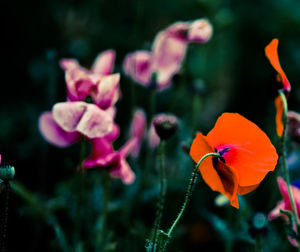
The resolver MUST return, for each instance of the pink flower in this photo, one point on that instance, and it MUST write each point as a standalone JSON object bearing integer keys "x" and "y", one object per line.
{"x": 81, "y": 81}
{"x": 137, "y": 130}
{"x": 153, "y": 138}
{"x": 103, "y": 156}
{"x": 68, "y": 120}
{"x": 138, "y": 66}
{"x": 285, "y": 204}
{"x": 168, "y": 51}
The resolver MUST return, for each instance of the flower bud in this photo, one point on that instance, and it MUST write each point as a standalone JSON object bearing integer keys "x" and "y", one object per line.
{"x": 165, "y": 125}
{"x": 200, "y": 31}
{"x": 294, "y": 126}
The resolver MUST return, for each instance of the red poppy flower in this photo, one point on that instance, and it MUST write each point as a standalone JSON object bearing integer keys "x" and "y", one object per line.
{"x": 246, "y": 156}
{"x": 272, "y": 55}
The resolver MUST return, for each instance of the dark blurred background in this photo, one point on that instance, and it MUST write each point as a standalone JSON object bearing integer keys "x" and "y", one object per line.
{"x": 229, "y": 73}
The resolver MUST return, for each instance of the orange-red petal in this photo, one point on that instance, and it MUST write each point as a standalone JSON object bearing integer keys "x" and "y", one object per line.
{"x": 251, "y": 154}
{"x": 221, "y": 178}
{"x": 279, "y": 115}
{"x": 246, "y": 189}
{"x": 272, "y": 55}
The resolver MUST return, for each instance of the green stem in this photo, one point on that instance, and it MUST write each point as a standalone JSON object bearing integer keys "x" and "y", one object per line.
{"x": 258, "y": 243}
{"x": 152, "y": 104}
{"x": 189, "y": 190}
{"x": 162, "y": 195}
{"x": 5, "y": 215}
{"x": 42, "y": 211}
{"x": 101, "y": 231}
{"x": 284, "y": 161}
{"x": 80, "y": 183}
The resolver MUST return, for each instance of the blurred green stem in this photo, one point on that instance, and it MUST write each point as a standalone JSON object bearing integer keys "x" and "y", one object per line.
{"x": 162, "y": 195}
{"x": 152, "y": 104}
{"x": 258, "y": 243}
{"x": 80, "y": 183}
{"x": 5, "y": 216}
{"x": 42, "y": 211}
{"x": 284, "y": 161}
{"x": 104, "y": 214}
{"x": 196, "y": 110}
{"x": 189, "y": 190}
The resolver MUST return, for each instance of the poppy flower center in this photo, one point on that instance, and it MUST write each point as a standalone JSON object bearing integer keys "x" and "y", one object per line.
{"x": 216, "y": 160}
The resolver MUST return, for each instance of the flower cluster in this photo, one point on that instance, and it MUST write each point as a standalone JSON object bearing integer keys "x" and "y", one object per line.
{"x": 70, "y": 120}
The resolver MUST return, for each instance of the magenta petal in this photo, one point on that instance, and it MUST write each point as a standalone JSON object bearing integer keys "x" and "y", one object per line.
{"x": 128, "y": 147}
{"x": 284, "y": 191}
{"x": 79, "y": 83}
{"x": 138, "y": 128}
{"x": 108, "y": 161}
{"x": 107, "y": 92}
{"x": 104, "y": 63}
{"x": 179, "y": 30}
{"x": 113, "y": 135}
{"x": 68, "y": 64}
{"x": 95, "y": 122}
{"x": 275, "y": 213}
{"x": 53, "y": 133}
{"x": 138, "y": 66}
{"x": 124, "y": 172}
{"x": 68, "y": 114}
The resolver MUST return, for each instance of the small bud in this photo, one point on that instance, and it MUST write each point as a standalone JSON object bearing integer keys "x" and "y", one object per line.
{"x": 294, "y": 126}
{"x": 165, "y": 125}
{"x": 7, "y": 173}
{"x": 200, "y": 31}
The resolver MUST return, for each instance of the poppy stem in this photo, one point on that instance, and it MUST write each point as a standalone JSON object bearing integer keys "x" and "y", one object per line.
{"x": 162, "y": 195}
{"x": 284, "y": 161}
{"x": 5, "y": 215}
{"x": 189, "y": 190}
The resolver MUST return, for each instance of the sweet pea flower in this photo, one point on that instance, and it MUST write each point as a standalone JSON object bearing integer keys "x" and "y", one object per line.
{"x": 81, "y": 81}
{"x": 272, "y": 55}
{"x": 246, "y": 156}
{"x": 167, "y": 54}
{"x": 294, "y": 125}
{"x": 69, "y": 120}
{"x": 285, "y": 204}
{"x": 104, "y": 157}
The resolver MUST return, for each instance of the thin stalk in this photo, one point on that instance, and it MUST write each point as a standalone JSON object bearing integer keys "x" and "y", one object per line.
{"x": 258, "y": 244}
{"x": 162, "y": 195}
{"x": 5, "y": 216}
{"x": 152, "y": 104}
{"x": 104, "y": 214}
{"x": 80, "y": 183}
{"x": 284, "y": 161}
{"x": 189, "y": 191}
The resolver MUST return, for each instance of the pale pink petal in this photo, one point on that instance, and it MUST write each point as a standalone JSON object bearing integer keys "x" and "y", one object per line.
{"x": 153, "y": 138}
{"x": 200, "y": 31}
{"x": 124, "y": 172}
{"x": 168, "y": 54}
{"x": 68, "y": 114}
{"x": 95, "y": 122}
{"x": 68, "y": 64}
{"x": 107, "y": 91}
{"x": 53, "y": 133}
{"x": 104, "y": 63}
{"x": 138, "y": 66}
{"x": 138, "y": 128}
